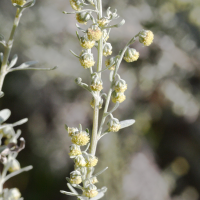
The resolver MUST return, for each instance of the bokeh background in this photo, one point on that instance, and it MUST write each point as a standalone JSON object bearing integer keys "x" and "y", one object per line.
{"x": 159, "y": 157}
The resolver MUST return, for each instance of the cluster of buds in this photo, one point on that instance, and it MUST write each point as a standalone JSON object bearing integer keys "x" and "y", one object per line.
{"x": 146, "y": 37}
{"x": 113, "y": 125}
{"x": 131, "y": 55}
{"x": 86, "y": 59}
{"x": 111, "y": 62}
{"x": 77, "y": 4}
{"x": 107, "y": 49}
{"x": 84, "y": 162}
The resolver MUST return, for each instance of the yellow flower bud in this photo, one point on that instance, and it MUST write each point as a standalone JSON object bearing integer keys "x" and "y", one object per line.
{"x": 118, "y": 97}
{"x": 96, "y": 83}
{"x": 107, "y": 49}
{"x": 80, "y": 161}
{"x": 86, "y": 43}
{"x": 94, "y": 33}
{"x": 91, "y": 161}
{"x": 146, "y": 37}
{"x": 100, "y": 103}
{"x": 19, "y": 2}
{"x": 94, "y": 180}
{"x": 14, "y": 166}
{"x": 120, "y": 86}
{"x": 75, "y": 5}
{"x": 111, "y": 62}
{"x": 86, "y": 59}
{"x": 113, "y": 125}
{"x": 83, "y": 17}
{"x": 80, "y": 138}
{"x": 90, "y": 191}
{"x": 102, "y": 22}
{"x": 75, "y": 177}
{"x": 131, "y": 55}
{"x": 75, "y": 150}
{"x": 71, "y": 131}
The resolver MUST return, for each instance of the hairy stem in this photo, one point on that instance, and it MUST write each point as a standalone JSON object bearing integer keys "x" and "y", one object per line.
{"x": 8, "y": 48}
{"x": 96, "y": 101}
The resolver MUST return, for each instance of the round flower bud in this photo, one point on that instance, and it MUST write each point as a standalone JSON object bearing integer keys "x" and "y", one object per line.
{"x": 146, "y": 37}
{"x": 75, "y": 150}
{"x": 75, "y": 177}
{"x": 131, "y": 55}
{"x": 113, "y": 125}
{"x": 103, "y": 22}
{"x": 86, "y": 43}
{"x": 120, "y": 86}
{"x": 71, "y": 131}
{"x": 90, "y": 191}
{"x": 14, "y": 194}
{"x": 86, "y": 59}
{"x": 83, "y": 17}
{"x": 96, "y": 83}
{"x": 91, "y": 161}
{"x": 100, "y": 102}
{"x": 111, "y": 62}
{"x": 76, "y": 4}
{"x": 105, "y": 34}
{"x": 94, "y": 180}
{"x": 80, "y": 138}
{"x": 80, "y": 161}
{"x": 118, "y": 97}
{"x": 94, "y": 33}
{"x": 107, "y": 49}
{"x": 19, "y": 2}
{"x": 14, "y": 166}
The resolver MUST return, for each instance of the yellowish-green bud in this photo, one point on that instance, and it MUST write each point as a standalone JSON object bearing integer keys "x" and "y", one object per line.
{"x": 118, "y": 97}
{"x": 19, "y": 2}
{"x": 76, "y": 5}
{"x": 120, "y": 86}
{"x": 96, "y": 83}
{"x": 14, "y": 166}
{"x": 80, "y": 138}
{"x": 75, "y": 150}
{"x": 146, "y": 37}
{"x": 103, "y": 21}
{"x": 91, "y": 161}
{"x": 86, "y": 43}
{"x": 71, "y": 131}
{"x": 131, "y": 55}
{"x": 113, "y": 125}
{"x": 75, "y": 177}
{"x": 83, "y": 17}
{"x": 94, "y": 33}
{"x": 80, "y": 161}
{"x": 86, "y": 59}
{"x": 90, "y": 191}
{"x": 107, "y": 49}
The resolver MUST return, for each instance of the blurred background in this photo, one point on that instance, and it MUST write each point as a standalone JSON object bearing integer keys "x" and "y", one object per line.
{"x": 159, "y": 157}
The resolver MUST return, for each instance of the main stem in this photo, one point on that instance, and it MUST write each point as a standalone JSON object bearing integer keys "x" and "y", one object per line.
{"x": 94, "y": 139}
{"x": 8, "y": 48}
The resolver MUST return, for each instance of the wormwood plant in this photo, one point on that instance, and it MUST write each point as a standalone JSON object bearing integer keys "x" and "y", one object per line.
{"x": 9, "y": 138}
{"x": 96, "y": 35}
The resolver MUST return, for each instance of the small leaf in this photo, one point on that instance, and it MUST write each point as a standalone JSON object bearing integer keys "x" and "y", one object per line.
{"x": 71, "y": 188}
{"x": 99, "y": 196}
{"x": 20, "y": 122}
{"x": 74, "y": 54}
{"x": 1, "y": 94}
{"x": 68, "y": 193}
{"x": 13, "y": 61}
{"x": 4, "y": 115}
{"x": 66, "y": 127}
{"x": 127, "y": 123}
{"x": 26, "y": 65}
{"x": 80, "y": 28}
{"x": 29, "y": 4}
{"x": 87, "y": 130}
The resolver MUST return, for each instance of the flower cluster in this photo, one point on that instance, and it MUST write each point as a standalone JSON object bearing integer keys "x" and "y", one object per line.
{"x": 83, "y": 161}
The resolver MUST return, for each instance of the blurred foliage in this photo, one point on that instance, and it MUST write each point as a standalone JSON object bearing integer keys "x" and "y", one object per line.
{"x": 158, "y": 158}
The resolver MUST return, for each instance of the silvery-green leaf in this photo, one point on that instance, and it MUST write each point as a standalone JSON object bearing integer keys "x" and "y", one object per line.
{"x": 68, "y": 193}
{"x": 13, "y": 61}
{"x": 97, "y": 174}
{"x": 9, "y": 131}
{"x": 116, "y": 25}
{"x": 2, "y": 40}
{"x": 99, "y": 196}
{"x": 4, "y": 115}
{"x": 82, "y": 198}
{"x": 20, "y": 122}
{"x": 80, "y": 28}
{"x": 127, "y": 123}
{"x": 26, "y": 65}
{"x": 29, "y": 4}
{"x": 1, "y": 94}
{"x": 74, "y": 54}
{"x": 71, "y": 188}
{"x": 1, "y": 56}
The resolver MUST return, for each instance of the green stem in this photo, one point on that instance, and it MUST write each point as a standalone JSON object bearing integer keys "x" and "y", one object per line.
{"x": 94, "y": 139}
{"x": 8, "y": 48}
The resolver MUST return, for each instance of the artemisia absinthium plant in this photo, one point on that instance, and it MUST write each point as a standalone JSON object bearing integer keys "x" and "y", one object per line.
{"x": 96, "y": 35}
{"x": 9, "y": 139}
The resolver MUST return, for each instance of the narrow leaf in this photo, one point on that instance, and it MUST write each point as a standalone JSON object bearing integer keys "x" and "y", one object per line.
{"x": 127, "y": 123}
{"x": 74, "y": 54}
{"x": 26, "y": 65}
{"x": 99, "y": 196}
{"x": 20, "y": 122}
{"x": 71, "y": 188}
{"x": 4, "y": 115}
{"x": 68, "y": 193}
{"x": 13, "y": 61}
{"x": 84, "y": 31}
{"x": 97, "y": 174}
